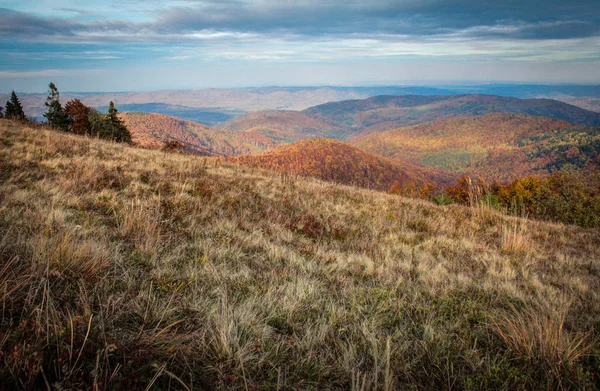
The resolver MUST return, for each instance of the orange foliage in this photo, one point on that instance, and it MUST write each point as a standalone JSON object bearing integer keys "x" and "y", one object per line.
{"x": 78, "y": 113}
{"x": 494, "y": 146}
{"x": 151, "y": 130}
{"x": 286, "y": 126}
{"x": 336, "y": 161}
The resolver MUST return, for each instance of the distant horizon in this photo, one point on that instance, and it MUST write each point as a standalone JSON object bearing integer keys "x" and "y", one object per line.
{"x": 311, "y": 86}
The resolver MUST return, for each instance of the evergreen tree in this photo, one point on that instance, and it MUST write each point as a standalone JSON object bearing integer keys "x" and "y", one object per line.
{"x": 117, "y": 131}
{"x": 14, "y": 109}
{"x": 1, "y": 113}
{"x": 56, "y": 116}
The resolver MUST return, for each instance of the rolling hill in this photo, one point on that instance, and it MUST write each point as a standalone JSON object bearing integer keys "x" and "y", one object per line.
{"x": 150, "y": 130}
{"x": 499, "y": 146}
{"x": 126, "y": 268}
{"x": 588, "y": 103}
{"x": 382, "y": 113}
{"x": 335, "y": 161}
{"x": 286, "y": 126}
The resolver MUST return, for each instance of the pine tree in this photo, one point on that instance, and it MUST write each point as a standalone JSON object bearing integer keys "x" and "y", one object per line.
{"x": 14, "y": 109}
{"x": 117, "y": 131}
{"x": 56, "y": 116}
{"x": 1, "y": 112}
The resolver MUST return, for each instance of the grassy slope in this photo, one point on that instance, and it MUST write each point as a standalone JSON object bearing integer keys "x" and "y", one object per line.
{"x": 150, "y": 130}
{"x": 126, "y": 268}
{"x": 286, "y": 126}
{"x": 496, "y": 146}
{"x": 339, "y": 162}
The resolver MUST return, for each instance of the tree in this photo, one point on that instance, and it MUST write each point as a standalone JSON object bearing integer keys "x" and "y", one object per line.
{"x": 1, "y": 113}
{"x": 78, "y": 116}
{"x": 107, "y": 126}
{"x": 14, "y": 109}
{"x": 56, "y": 116}
{"x": 173, "y": 146}
{"x": 117, "y": 130}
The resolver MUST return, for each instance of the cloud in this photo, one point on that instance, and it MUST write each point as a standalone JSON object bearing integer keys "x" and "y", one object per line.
{"x": 508, "y": 19}
{"x": 216, "y": 32}
{"x": 44, "y": 73}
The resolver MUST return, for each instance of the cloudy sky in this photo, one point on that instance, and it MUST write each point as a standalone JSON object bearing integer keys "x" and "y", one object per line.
{"x": 109, "y": 45}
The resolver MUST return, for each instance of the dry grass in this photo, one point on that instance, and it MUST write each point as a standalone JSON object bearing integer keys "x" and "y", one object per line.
{"x": 514, "y": 239}
{"x": 122, "y": 268}
{"x": 542, "y": 336}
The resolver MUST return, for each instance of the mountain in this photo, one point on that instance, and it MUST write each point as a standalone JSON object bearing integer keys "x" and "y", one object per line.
{"x": 209, "y": 105}
{"x": 382, "y": 113}
{"x": 127, "y": 268}
{"x": 286, "y": 126}
{"x": 150, "y": 130}
{"x": 336, "y": 161}
{"x": 216, "y": 103}
{"x": 588, "y": 103}
{"x": 202, "y": 116}
{"x": 499, "y": 146}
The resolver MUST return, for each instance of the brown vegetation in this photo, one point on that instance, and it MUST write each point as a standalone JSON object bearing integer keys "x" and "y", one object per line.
{"x": 336, "y": 161}
{"x": 287, "y": 126}
{"x": 151, "y": 130}
{"x": 123, "y": 268}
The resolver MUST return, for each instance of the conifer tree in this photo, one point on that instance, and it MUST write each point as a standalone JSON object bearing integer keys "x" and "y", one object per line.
{"x": 14, "y": 109}
{"x": 117, "y": 130}
{"x": 1, "y": 112}
{"x": 56, "y": 116}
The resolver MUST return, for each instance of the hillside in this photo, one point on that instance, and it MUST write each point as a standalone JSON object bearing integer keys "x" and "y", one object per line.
{"x": 588, "y": 103}
{"x": 286, "y": 126}
{"x": 150, "y": 130}
{"x": 339, "y": 162}
{"x": 495, "y": 146}
{"x": 125, "y": 268}
{"x": 382, "y": 113}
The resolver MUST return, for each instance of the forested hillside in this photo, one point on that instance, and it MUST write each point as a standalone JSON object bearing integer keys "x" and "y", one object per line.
{"x": 151, "y": 130}
{"x": 493, "y": 146}
{"x": 287, "y": 126}
{"x": 382, "y": 113}
{"x": 336, "y": 161}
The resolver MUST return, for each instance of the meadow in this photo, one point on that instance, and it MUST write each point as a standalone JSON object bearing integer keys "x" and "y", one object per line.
{"x": 125, "y": 268}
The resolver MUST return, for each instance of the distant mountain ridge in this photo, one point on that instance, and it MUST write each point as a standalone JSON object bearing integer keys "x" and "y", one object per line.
{"x": 381, "y": 113}
{"x": 350, "y": 119}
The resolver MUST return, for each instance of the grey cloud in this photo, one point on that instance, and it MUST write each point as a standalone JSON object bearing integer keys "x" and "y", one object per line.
{"x": 532, "y": 19}
{"x": 324, "y": 19}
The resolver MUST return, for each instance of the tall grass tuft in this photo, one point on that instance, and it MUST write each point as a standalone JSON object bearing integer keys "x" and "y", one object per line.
{"x": 541, "y": 335}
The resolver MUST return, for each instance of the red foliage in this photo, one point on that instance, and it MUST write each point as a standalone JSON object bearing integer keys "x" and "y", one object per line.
{"x": 78, "y": 113}
{"x": 336, "y": 161}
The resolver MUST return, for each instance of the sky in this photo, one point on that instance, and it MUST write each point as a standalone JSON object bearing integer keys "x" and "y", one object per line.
{"x": 135, "y": 45}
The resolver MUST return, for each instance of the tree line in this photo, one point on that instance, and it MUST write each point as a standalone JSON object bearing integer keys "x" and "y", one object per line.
{"x": 73, "y": 117}
{"x": 568, "y": 197}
